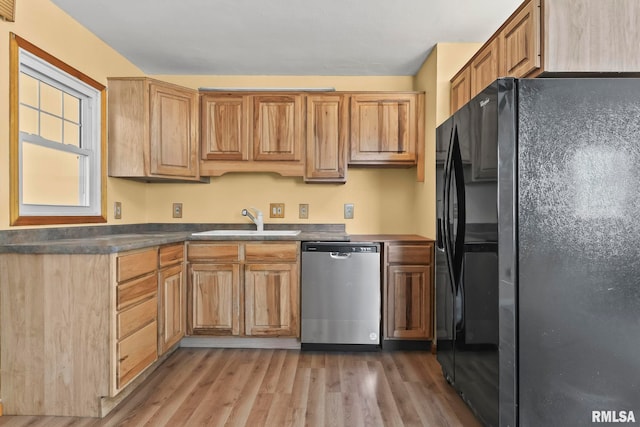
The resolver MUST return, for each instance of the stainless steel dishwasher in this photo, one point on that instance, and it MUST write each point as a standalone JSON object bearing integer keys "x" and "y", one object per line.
{"x": 340, "y": 295}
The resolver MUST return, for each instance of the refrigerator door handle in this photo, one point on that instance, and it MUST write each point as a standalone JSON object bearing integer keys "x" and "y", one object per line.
{"x": 458, "y": 251}
{"x": 446, "y": 220}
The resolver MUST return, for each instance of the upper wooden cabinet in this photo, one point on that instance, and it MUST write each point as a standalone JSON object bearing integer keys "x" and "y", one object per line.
{"x": 252, "y": 132}
{"x": 327, "y": 138}
{"x": 225, "y": 126}
{"x": 484, "y": 67}
{"x": 384, "y": 129}
{"x": 555, "y": 37}
{"x": 153, "y": 130}
{"x": 277, "y": 127}
{"x": 460, "y": 89}
{"x": 520, "y": 41}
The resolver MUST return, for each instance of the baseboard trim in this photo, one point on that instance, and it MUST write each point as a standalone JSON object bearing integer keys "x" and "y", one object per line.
{"x": 237, "y": 342}
{"x": 406, "y": 345}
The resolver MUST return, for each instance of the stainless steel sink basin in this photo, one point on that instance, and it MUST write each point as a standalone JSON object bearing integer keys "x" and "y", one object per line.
{"x": 232, "y": 233}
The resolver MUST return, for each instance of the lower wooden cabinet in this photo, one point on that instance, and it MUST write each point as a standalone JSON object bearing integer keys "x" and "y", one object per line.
{"x": 214, "y": 299}
{"x": 408, "y": 290}
{"x": 271, "y": 299}
{"x": 243, "y": 289}
{"x": 172, "y": 307}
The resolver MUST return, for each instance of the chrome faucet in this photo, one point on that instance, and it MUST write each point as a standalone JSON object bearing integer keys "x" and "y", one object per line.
{"x": 257, "y": 219}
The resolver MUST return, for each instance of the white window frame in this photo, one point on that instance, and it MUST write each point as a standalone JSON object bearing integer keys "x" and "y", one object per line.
{"x": 90, "y": 140}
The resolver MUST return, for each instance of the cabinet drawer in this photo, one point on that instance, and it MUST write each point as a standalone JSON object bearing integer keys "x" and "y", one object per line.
{"x": 171, "y": 254}
{"x": 136, "y": 264}
{"x": 136, "y": 317}
{"x": 214, "y": 252}
{"x": 136, "y": 352}
{"x": 137, "y": 290}
{"x": 271, "y": 252}
{"x": 410, "y": 254}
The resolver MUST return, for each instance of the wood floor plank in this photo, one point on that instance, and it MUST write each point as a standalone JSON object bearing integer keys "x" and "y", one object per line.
{"x": 221, "y": 397}
{"x": 265, "y": 387}
{"x": 334, "y": 411}
{"x": 258, "y": 415}
{"x": 193, "y": 399}
{"x": 240, "y": 413}
{"x": 288, "y": 372}
{"x": 332, "y": 375}
{"x": 316, "y": 398}
{"x": 271, "y": 378}
{"x": 384, "y": 396}
{"x": 300, "y": 392}
{"x": 400, "y": 393}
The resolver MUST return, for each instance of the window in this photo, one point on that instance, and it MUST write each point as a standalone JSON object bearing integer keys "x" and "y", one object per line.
{"x": 57, "y": 141}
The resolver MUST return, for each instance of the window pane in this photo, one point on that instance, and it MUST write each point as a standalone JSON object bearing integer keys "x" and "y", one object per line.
{"x": 28, "y": 90}
{"x": 50, "y": 99}
{"x": 44, "y": 184}
{"x": 72, "y": 134}
{"x": 28, "y": 120}
{"x": 50, "y": 127}
{"x": 71, "y": 108}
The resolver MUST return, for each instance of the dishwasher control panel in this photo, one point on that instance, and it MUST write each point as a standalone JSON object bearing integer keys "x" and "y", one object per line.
{"x": 343, "y": 247}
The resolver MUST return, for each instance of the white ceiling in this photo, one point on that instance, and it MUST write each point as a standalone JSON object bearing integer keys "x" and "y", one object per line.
{"x": 285, "y": 37}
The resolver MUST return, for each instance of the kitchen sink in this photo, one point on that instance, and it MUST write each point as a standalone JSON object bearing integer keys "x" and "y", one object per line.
{"x": 247, "y": 233}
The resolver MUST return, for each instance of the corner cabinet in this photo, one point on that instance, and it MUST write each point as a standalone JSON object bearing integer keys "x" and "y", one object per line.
{"x": 408, "y": 290}
{"x": 92, "y": 324}
{"x": 244, "y": 289}
{"x": 153, "y": 130}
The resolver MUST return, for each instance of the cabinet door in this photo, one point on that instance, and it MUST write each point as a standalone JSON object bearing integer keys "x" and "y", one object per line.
{"x": 224, "y": 120}
{"x": 460, "y": 89}
{"x": 383, "y": 129}
{"x": 277, "y": 127}
{"x": 484, "y": 68}
{"x": 520, "y": 42}
{"x": 409, "y": 294}
{"x": 173, "y": 131}
{"x": 271, "y": 300}
{"x": 327, "y": 136}
{"x": 172, "y": 315}
{"x": 214, "y": 299}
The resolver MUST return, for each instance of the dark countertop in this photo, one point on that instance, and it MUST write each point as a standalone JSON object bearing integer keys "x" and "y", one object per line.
{"x": 88, "y": 240}
{"x": 408, "y": 238}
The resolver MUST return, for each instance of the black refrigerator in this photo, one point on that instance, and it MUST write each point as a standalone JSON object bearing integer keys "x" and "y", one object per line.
{"x": 538, "y": 254}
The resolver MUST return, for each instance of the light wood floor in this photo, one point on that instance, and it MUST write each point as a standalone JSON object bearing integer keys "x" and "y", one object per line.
{"x": 243, "y": 387}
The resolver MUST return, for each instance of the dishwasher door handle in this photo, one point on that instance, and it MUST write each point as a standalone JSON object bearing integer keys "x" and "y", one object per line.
{"x": 340, "y": 255}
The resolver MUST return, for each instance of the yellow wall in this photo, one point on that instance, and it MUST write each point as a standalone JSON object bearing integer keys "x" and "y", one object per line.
{"x": 434, "y": 78}
{"x": 49, "y": 28}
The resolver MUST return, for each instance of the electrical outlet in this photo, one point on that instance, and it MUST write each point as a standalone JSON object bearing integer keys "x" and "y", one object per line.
{"x": 117, "y": 210}
{"x": 276, "y": 210}
{"x": 303, "y": 211}
{"x": 348, "y": 211}
{"x": 177, "y": 210}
